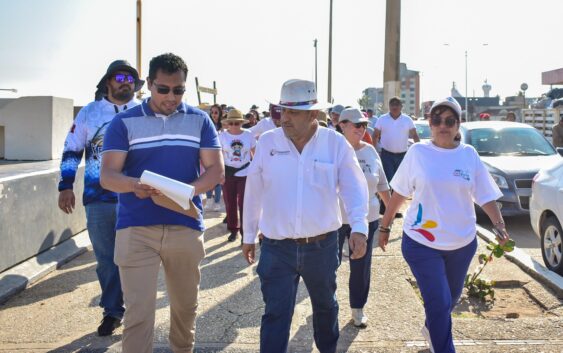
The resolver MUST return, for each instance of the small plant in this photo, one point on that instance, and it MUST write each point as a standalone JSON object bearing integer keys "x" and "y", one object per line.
{"x": 481, "y": 288}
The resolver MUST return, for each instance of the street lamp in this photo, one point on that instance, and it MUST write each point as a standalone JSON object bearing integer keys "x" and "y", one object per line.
{"x": 9, "y": 90}
{"x": 329, "y": 96}
{"x": 466, "y": 91}
{"x": 315, "y": 45}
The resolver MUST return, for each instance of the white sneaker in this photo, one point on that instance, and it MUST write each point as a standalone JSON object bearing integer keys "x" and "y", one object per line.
{"x": 359, "y": 318}
{"x": 217, "y": 206}
{"x": 426, "y": 335}
{"x": 207, "y": 205}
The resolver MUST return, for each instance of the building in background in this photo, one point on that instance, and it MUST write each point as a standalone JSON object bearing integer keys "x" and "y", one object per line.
{"x": 410, "y": 90}
{"x": 372, "y": 97}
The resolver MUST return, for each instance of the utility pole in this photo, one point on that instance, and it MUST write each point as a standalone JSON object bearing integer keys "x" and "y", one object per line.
{"x": 139, "y": 33}
{"x": 466, "y": 110}
{"x": 391, "y": 80}
{"x": 329, "y": 98}
{"x": 316, "y": 84}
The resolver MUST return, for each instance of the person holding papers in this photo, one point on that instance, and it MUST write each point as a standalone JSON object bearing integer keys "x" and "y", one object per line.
{"x": 169, "y": 138}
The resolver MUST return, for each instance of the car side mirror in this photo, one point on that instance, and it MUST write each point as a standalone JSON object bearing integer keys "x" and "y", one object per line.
{"x": 560, "y": 151}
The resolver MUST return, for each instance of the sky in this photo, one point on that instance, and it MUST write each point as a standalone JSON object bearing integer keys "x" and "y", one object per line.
{"x": 250, "y": 47}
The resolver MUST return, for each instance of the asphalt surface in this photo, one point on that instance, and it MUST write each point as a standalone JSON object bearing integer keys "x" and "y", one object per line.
{"x": 59, "y": 313}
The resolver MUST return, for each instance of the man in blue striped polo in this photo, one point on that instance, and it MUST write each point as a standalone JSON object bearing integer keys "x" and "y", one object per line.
{"x": 167, "y": 137}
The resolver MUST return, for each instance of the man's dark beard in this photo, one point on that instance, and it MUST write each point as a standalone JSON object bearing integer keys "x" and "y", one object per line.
{"x": 123, "y": 96}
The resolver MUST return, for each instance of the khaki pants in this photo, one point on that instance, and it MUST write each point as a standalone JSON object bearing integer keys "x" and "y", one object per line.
{"x": 138, "y": 253}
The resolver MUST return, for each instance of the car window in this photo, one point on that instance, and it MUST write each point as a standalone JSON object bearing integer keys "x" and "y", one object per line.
{"x": 509, "y": 141}
{"x": 423, "y": 131}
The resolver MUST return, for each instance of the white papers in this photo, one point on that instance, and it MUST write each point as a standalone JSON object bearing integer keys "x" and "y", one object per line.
{"x": 179, "y": 192}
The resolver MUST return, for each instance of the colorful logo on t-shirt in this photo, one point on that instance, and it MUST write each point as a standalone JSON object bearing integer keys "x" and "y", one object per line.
{"x": 422, "y": 229}
{"x": 462, "y": 173}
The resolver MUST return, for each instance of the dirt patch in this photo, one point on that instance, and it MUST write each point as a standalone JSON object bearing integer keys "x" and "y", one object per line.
{"x": 512, "y": 301}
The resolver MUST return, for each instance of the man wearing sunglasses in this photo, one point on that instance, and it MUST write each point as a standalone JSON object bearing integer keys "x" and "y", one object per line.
{"x": 168, "y": 137}
{"x": 392, "y": 132}
{"x": 114, "y": 94}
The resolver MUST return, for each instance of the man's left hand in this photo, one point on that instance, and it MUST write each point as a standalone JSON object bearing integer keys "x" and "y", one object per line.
{"x": 358, "y": 245}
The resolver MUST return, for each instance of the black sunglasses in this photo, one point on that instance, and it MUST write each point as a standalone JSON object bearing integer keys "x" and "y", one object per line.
{"x": 234, "y": 123}
{"x": 436, "y": 120}
{"x": 177, "y": 91}
{"x": 357, "y": 125}
{"x": 122, "y": 78}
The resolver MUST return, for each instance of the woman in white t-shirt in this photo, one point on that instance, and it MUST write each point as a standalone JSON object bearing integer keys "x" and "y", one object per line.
{"x": 238, "y": 148}
{"x": 353, "y": 125}
{"x": 445, "y": 179}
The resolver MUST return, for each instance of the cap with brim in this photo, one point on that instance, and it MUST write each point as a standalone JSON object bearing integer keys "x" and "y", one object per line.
{"x": 449, "y": 102}
{"x": 353, "y": 115}
{"x": 337, "y": 109}
{"x": 118, "y": 65}
{"x": 235, "y": 115}
{"x": 299, "y": 95}
{"x": 275, "y": 111}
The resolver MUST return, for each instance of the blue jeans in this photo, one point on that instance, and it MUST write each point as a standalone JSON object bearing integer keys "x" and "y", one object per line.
{"x": 440, "y": 275}
{"x": 217, "y": 192}
{"x": 101, "y": 217}
{"x": 360, "y": 269}
{"x": 282, "y": 263}
{"x": 391, "y": 162}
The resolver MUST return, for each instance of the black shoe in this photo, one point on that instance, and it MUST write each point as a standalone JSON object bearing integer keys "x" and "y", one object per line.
{"x": 399, "y": 215}
{"x": 225, "y": 219}
{"x": 108, "y": 325}
{"x": 232, "y": 237}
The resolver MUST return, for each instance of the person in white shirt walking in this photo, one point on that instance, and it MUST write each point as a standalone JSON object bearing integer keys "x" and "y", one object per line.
{"x": 297, "y": 175}
{"x": 353, "y": 125}
{"x": 268, "y": 123}
{"x": 238, "y": 147}
{"x": 392, "y": 133}
{"x": 445, "y": 179}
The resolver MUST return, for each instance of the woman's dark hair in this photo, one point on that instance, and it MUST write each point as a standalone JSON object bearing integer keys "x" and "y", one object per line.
{"x": 256, "y": 114}
{"x": 217, "y": 124}
{"x": 168, "y": 63}
{"x": 442, "y": 108}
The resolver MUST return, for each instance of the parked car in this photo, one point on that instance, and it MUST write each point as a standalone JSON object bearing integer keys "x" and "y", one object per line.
{"x": 513, "y": 153}
{"x": 546, "y": 214}
{"x": 422, "y": 129}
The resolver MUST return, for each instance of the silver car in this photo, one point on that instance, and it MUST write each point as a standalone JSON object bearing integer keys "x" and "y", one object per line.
{"x": 546, "y": 214}
{"x": 513, "y": 153}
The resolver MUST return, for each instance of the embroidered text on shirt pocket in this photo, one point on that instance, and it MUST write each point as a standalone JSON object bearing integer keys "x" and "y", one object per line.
{"x": 323, "y": 175}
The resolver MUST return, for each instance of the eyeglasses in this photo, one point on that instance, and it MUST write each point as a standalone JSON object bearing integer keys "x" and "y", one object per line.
{"x": 234, "y": 123}
{"x": 357, "y": 125}
{"x": 360, "y": 125}
{"x": 122, "y": 78}
{"x": 177, "y": 91}
{"x": 436, "y": 120}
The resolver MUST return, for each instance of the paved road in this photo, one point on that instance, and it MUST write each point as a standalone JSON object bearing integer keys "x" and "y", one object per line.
{"x": 59, "y": 313}
{"x": 521, "y": 231}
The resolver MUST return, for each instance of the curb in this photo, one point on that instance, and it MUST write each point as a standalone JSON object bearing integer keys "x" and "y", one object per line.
{"x": 528, "y": 264}
{"x": 19, "y": 277}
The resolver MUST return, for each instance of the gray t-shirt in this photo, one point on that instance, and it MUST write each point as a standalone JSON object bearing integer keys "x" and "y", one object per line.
{"x": 375, "y": 176}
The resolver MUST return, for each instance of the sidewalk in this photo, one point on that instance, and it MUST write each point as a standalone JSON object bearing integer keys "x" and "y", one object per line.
{"x": 59, "y": 313}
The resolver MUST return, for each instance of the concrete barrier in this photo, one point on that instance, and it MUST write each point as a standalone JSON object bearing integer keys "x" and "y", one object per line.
{"x": 34, "y": 128}
{"x": 30, "y": 220}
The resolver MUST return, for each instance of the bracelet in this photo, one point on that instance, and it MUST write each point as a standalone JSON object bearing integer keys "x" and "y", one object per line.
{"x": 383, "y": 229}
{"x": 499, "y": 223}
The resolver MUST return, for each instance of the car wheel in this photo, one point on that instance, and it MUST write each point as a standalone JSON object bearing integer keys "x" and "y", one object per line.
{"x": 551, "y": 245}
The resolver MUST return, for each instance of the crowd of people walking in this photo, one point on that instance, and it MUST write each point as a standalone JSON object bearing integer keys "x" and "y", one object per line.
{"x": 302, "y": 179}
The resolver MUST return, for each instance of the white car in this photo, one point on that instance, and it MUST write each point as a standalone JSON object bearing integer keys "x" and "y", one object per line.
{"x": 546, "y": 214}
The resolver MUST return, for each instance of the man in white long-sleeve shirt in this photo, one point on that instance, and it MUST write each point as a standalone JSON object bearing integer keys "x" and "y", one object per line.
{"x": 291, "y": 197}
